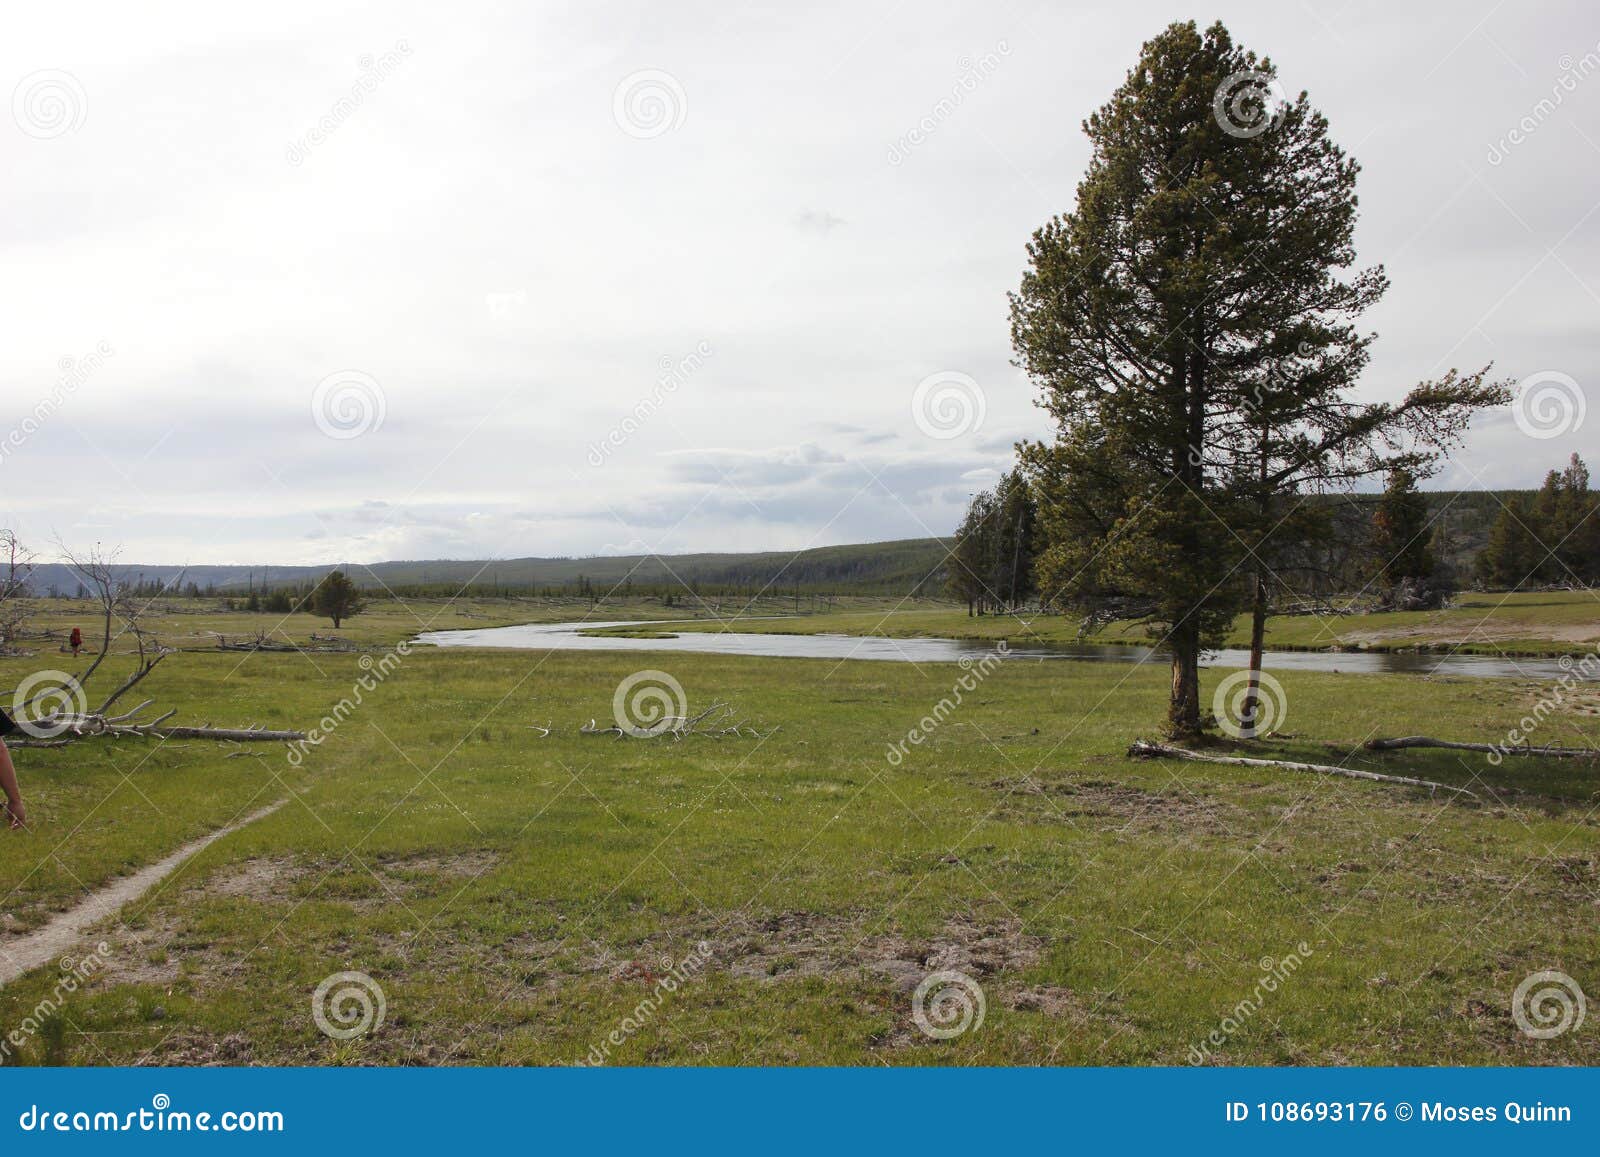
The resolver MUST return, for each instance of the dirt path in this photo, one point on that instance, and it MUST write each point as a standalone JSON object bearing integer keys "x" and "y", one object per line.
{"x": 26, "y": 953}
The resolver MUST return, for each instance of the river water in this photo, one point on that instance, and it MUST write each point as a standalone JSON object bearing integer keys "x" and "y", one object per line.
{"x": 568, "y": 637}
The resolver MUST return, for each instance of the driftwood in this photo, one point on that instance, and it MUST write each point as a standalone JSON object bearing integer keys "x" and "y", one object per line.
{"x": 711, "y": 723}
{"x": 1503, "y": 749}
{"x": 259, "y": 643}
{"x": 256, "y": 734}
{"x": 62, "y": 728}
{"x": 1145, "y": 750}
{"x": 321, "y": 645}
{"x": 117, "y": 605}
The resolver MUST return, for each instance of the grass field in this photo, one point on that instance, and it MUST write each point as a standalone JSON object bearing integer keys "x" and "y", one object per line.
{"x": 520, "y": 899}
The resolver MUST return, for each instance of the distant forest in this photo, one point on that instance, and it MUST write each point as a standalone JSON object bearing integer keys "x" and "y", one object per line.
{"x": 909, "y": 566}
{"x": 1401, "y": 548}
{"x": 1474, "y": 538}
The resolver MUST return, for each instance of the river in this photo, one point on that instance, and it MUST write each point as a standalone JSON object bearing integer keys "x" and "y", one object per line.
{"x": 568, "y": 637}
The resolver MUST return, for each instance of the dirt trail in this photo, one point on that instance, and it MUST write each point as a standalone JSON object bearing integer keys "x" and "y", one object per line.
{"x": 53, "y": 940}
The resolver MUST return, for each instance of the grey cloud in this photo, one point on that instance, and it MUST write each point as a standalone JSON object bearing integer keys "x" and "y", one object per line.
{"x": 230, "y": 281}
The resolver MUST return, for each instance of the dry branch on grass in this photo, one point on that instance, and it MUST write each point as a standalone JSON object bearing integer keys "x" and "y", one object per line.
{"x": 122, "y": 615}
{"x": 712, "y": 723}
{"x": 259, "y": 643}
{"x": 1143, "y": 750}
{"x": 1405, "y": 741}
{"x": 60, "y": 729}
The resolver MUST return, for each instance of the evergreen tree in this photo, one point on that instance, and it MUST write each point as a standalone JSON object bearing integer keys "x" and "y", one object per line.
{"x": 1191, "y": 326}
{"x": 992, "y": 566}
{"x": 970, "y": 565}
{"x": 1569, "y": 532}
{"x": 1015, "y": 541}
{"x": 1545, "y": 519}
{"x": 1401, "y": 539}
{"x": 337, "y": 598}
{"x": 1510, "y": 558}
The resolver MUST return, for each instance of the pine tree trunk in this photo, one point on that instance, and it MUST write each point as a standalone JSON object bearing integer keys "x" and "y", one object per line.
{"x": 1183, "y": 715}
{"x": 1258, "y": 639}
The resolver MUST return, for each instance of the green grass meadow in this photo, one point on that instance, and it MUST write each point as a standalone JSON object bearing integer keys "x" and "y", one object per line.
{"x": 518, "y": 898}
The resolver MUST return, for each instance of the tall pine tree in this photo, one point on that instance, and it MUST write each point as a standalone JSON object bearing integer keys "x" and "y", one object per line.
{"x": 1191, "y": 326}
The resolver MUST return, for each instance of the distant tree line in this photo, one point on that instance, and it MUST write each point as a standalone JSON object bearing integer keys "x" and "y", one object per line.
{"x": 1401, "y": 548}
{"x": 992, "y": 566}
{"x": 1550, "y": 538}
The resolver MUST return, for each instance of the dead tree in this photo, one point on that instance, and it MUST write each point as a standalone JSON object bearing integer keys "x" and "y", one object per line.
{"x": 1406, "y": 741}
{"x": 1143, "y": 750}
{"x": 121, "y": 615}
{"x": 712, "y": 723}
{"x": 16, "y": 568}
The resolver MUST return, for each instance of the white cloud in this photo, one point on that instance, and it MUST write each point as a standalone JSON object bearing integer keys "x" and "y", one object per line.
{"x": 767, "y": 226}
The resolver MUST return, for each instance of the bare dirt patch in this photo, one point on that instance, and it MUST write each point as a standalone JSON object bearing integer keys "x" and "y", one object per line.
{"x": 165, "y": 948}
{"x": 793, "y": 945}
{"x": 771, "y": 949}
{"x": 196, "y": 1049}
{"x": 57, "y": 938}
{"x": 1573, "y": 701}
{"x": 465, "y": 865}
{"x": 287, "y": 878}
{"x": 1106, "y": 805}
{"x": 1506, "y": 631}
{"x": 266, "y": 878}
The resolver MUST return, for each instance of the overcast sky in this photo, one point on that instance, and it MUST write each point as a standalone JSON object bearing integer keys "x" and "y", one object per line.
{"x": 319, "y": 282}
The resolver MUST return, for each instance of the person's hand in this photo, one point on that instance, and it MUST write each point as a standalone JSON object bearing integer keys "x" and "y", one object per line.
{"x": 18, "y": 814}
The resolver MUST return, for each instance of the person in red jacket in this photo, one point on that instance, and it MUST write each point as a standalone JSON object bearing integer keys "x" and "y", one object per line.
{"x": 8, "y": 778}
{"x": 75, "y": 641}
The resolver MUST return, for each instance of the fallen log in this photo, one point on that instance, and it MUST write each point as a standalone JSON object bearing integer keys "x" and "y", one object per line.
{"x": 254, "y": 645}
{"x": 59, "y": 730}
{"x": 711, "y": 723}
{"x": 1502, "y": 749}
{"x": 1143, "y": 750}
{"x": 236, "y": 734}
